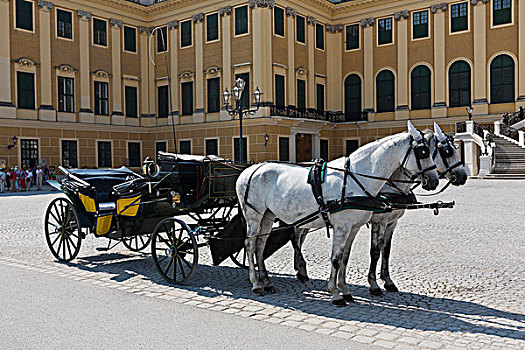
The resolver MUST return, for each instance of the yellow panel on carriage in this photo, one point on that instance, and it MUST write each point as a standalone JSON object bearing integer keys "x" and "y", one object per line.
{"x": 89, "y": 203}
{"x": 128, "y": 206}
{"x": 104, "y": 224}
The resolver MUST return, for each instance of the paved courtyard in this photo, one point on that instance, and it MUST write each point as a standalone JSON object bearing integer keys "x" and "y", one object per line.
{"x": 461, "y": 274}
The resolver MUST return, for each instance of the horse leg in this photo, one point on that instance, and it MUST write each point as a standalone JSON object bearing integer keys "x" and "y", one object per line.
{"x": 266, "y": 228}
{"x": 299, "y": 261}
{"x": 341, "y": 280}
{"x": 385, "y": 271}
{"x": 338, "y": 245}
{"x": 377, "y": 237}
{"x": 250, "y": 242}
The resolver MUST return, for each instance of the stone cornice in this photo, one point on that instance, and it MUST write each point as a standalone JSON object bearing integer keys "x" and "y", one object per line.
{"x": 337, "y": 28}
{"x": 45, "y": 4}
{"x": 261, "y": 3}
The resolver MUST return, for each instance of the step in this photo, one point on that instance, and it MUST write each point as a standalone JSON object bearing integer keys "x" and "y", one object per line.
{"x": 505, "y": 177}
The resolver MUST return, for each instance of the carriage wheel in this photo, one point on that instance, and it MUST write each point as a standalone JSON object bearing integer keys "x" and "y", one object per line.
{"x": 175, "y": 251}
{"x": 240, "y": 259}
{"x": 136, "y": 243}
{"x": 62, "y": 229}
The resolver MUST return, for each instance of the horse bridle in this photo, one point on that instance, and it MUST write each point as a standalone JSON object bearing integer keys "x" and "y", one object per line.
{"x": 446, "y": 150}
{"x": 421, "y": 151}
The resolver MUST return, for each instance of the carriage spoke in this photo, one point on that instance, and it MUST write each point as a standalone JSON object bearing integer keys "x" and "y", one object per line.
{"x": 187, "y": 263}
{"x": 68, "y": 247}
{"x": 163, "y": 258}
{"x": 58, "y": 237}
{"x": 169, "y": 265}
{"x": 53, "y": 215}
{"x": 181, "y": 267}
{"x": 174, "y": 268}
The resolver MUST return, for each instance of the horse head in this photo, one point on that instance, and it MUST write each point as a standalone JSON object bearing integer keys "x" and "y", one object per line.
{"x": 446, "y": 157}
{"x": 418, "y": 162}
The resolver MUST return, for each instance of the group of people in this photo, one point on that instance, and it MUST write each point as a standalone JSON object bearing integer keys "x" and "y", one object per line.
{"x": 22, "y": 179}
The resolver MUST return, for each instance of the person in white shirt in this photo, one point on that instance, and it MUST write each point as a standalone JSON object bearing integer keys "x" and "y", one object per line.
{"x": 2, "y": 180}
{"x": 39, "y": 178}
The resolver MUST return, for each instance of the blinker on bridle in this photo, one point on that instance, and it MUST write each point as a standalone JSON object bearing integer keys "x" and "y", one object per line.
{"x": 421, "y": 152}
{"x": 446, "y": 150}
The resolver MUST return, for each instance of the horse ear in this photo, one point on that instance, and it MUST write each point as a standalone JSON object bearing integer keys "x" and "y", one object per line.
{"x": 416, "y": 135}
{"x": 439, "y": 134}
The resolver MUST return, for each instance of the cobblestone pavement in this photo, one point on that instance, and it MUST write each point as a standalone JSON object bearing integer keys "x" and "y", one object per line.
{"x": 461, "y": 274}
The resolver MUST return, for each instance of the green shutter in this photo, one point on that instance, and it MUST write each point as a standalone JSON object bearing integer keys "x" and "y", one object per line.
{"x": 502, "y": 12}
{"x": 26, "y": 90}
{"x": 459, "y": 84}
{"x": 185, "y": 147}
{"x": 130, "y": 39}
{"x": 284, "y": 149}
{"x": 163, "y": 102}
{"x": 502, "y": 80}
{"x": 212, "y": 27}
{"x": 353, "y": 98}
{"x": 385, "y": 31}
{"x": 420, "y": 25}
{"x": 236, "y": 150}
{"x": 213, "y": 92}
{"x": 385, "y": 91}
{"x": 320, "y": 97}
{"x": 24, "y": 14}
{"x": 319, "y": 36}
{"x": 278, "y": 21}
{"x": 301, "y": 94}
{"x": 279, "y": 90}
{"x": 185, "y": 34}
{"x": 324, "y": 149}
{"x": 131, "y": 101}
{"x": 459, "y": 15}
{"x": 241, "y": 20}
{"x": 352, "y": 37}
{"x": 300, "y": 29}
{"x": 420, "y": 83}
{"x": 212, "y": 147}
{"x": 134, "y": 154}
{"x": 104, "y": 154}
{"x": 187, "y": 98}
{"x": 162, "y": 39}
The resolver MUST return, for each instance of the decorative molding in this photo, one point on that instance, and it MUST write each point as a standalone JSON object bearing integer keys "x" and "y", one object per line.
{"x": 225, "y": 11}
{"x": 291, "y": 12}
{"x": 186, "y": 74}
{"x": 199, "y": 17}
{"x": 334, "y": 28}
{"x": 145, "y": 30}
{"x": 25, "y": 61}
{"x": 402, "y": 108}
{"x": 367, "y": 22}
{"x": 435, "y": 8}
{"x": 401, "y": 15}
{"x": 439, "y": 105}
{"x": 311, "y": 20}
{"x": 85, "y": 15}
{"x": 212, "y": 70}
{"x": 66, "y": 68}
{"x": 475, "y": 2}
{"x": 480, "y": 101}
{"x": 46, "y": 4}
{"x": 279, "y": 65}
{"x": 115, "y": 23}
{"x": 301, "y": 71}
{"x": 99, "y": 73}
{"x": 261, "y": 3}
{"x": 173, "y": 24}
{"x": 130, "y": 77}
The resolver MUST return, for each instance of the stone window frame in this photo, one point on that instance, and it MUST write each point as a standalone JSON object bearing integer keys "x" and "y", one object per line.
{"x": 93, "y": 32}
{"x": 26, "y": 68}
{"x": 72, "y": 24}
{"x": 512, "y": 15}
{"x": 469, "y": 16}
{"x": 61, "y": 149}
{"x": 396, "y": 96}
{"x": 359, "y": 30}
{"x": 277, "y": 70}
{"x": 247, "y": 148}
{"x": 218, "y": 27}
{"x": 33, "y": 3}
{"x": 161, "y": 82}
{"x": 216, "y": 138}
{"x": 133, "y": 84}
{"x": 284, "y": 22}
{"x": 97, "y": 140}
{"x": 141, "y": 149}
{"x": 305, "y": 30}
{"x": 70, "y": 76}
{"x": 157, "y": 38}
{"x": 431, "y": 82}
{"x": 180, "y": 33}
{"x": 124, "y": 39}
{"x": 429, "y": 24}
{"x": 102, "y": 79}
{"x": 185, "y": 140}
{"x": 393, "y": 22}
{"x": 471, "y": 65}
{"x": 321, "y": 80}
{"x": 248, "y": 18}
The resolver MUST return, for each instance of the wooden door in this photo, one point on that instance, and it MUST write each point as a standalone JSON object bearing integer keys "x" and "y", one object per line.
{"x": 303, "y": 147}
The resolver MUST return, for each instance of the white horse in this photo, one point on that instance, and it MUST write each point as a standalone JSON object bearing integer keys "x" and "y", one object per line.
{"x": 271, "y": 190}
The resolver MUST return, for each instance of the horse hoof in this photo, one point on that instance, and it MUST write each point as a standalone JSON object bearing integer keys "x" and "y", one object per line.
{"x": 258, "y": 291}
{"x": 349, "y": 298}
{"x": 376, "y": 292}
{"x": 270, "y": 289}
{"x": 302, "y": 278}
{"x": 339, "y": 302}
{"x": 391, "y": 288}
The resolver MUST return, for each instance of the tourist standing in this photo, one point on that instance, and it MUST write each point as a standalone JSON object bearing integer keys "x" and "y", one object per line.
{"x": 39, "y": 178}
{"x": 2, "y": 180}
{"x": 29, "y": 179}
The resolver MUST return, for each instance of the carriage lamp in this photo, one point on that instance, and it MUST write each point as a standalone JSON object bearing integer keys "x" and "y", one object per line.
{"x": 15, "y": 139}
{"x": 469, "y": 111}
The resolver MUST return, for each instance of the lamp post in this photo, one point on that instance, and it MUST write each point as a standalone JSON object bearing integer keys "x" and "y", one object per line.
{"x": 240, "y": 110}
{"x": 469, "y": 111}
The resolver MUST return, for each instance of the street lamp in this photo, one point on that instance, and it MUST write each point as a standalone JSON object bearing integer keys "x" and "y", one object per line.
{"x": 239, "y": 109}
{"x": 14, "y": 142}
{"x": 469, "y": 111}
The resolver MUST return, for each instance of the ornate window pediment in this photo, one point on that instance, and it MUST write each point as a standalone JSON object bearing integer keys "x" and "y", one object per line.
{"x": 66, "y": 68}
{"x": 212, "y": 70}
{"x": 100, "y": 73}
{"x": 186, "y": 74}
{"x": 25, "y": 61}
{"x": 301, "y": 71}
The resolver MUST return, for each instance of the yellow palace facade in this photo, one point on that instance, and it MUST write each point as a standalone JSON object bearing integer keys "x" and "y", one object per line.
{"x": 92, "y": 83}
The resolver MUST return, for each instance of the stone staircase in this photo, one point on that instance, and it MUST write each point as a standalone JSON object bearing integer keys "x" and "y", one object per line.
{"x": 510, "y": 160}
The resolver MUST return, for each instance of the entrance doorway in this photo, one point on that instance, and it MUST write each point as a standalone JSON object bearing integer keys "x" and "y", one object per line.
{"x": 303, "y": 147}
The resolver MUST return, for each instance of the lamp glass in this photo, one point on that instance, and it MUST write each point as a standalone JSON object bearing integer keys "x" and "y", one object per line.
{"x": 239, "y": 83}
{"x": 226, "y": 95}
{"x": 257, "y": 95}
{"x": 236, "y": 93}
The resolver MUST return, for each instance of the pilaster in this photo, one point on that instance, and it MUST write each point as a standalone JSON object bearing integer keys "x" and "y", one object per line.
{"x": 480, "y": 57}
{"x": 310, "y": 89}
{"x": 117, "y": 116}
{"x": 144, "y": 64}
{"x": 521, "y": 54}
{"x": 46, "y": 110}
{"x": 86, "y": 113}
{"x": 402, "y": 109}
{"x": 173, "y": 27}
{"x": 7, "y": 108}
{"x": 225, "y": 13}
{"x": 439, "y": 109}
{"x": 290, "y": 35}
{"x": 334, "y": 59}
{"x": 198, "y": 113}
{"x": 368, "y": 48}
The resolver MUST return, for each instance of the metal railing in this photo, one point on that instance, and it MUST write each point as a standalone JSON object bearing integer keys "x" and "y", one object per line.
{"x": 314, "y": 114}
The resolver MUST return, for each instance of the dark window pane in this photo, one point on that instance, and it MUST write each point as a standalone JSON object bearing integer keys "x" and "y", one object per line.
{"x": 459, "y": 17}
{"x": 319, "y": 36}
{"x": 241, "y": 20}
{"x": 29, "y": 153}
{"x": 459, "y": 82}
{"x": 385, "y": 31}
{"x": 101, "y": 98}
{"x": 214, "y": 95}
{"x": 99, "y": 32}
{"x": 134, "y": 154}
{"x": 69, "y": 154}
{"x": 130, "y": 39}
{"x": 385, "y": 91}
{"x": 236, "y": 156}
{"x": 502, "y": 80}
{"x": 212, "y": 147}
{"x": 64, "y": 24}
{"x": 502, "y": 12}
{"x": 278, "y": 21}
{"x": 162, "y": 101}
{"x": 320, "y": 97}
{"x": 246, "y": 95}
{"x": 160, "y": 147}
{"x": 301, "y": 93}
{"x": 130, "y": 93}
{"x": 26, "y": 90}
{"x": 420, "y": 24}
{"x": 185, "y": 34}
{"x": 104, "y": 154}
{"x": 351, "y": 146}
{"x": 352, "y": 37}
{"x": 284, "y": 149}
{"x": 353, "y": 98}
{"x": 279, "y": 90}
{"x": 212, "y": 27}
{"x": 66, "y": 98}
{"x": 185, "y": 147}
{"x": 24, "y": 14}
{"x": 162, "y": 39}
{"x": 324, "y": 149}
{"x": 420, "y": 83}
{"x": 300, "y": 29}
{"x": 187, "y": 98}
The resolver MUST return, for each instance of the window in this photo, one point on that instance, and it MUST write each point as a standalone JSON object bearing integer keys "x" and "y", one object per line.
{"x": 130, "y": 94}
{"x": 104, "y": 154}
{"x": 29, "y": 153}
{"x": 130, "y": 39}
{"x": 69, "y": 154}
{"x": 300, "y": 29}
{"x": 24, "y": 14}
{"x": 162, "y": 39}
{"x": 64, "y": 24}
{"x": 236, "y": 151}
{"x": 160, "y": 146}
{"x": 384, "y": 31}
{"x": 420, "y": 83}
{"x": 459, "y": 17}
{"x": 502, "y": 79}
{"x": 323, "y": 149}
{"x": 301, "y": 94}
{"x": 187, "y": 98}
{"x": 352, "y": 98}
{"x": 134, "y": 154}
{"x": 284, "y": 149}
{"x": 420, "y": 25}
{"x": 25, "y": 90}
{"x": 245, "y": 98}
{"x": 278, "y": 21}
{"x": 319, "y": 36}
{"x": 241, "y": 20}
{"x": 162, "y": 101}
{"x": 459, "y": 84}
{"x": 212, "y": 147}
{"x": 185, "y": 147}
{"x": 502, "y": 12}
{"x": 66, "y": 98}
{"x": 100, "y": 36}
{"x": 101, "y": 98}
{"x": 279, "y": 90}
{"x": 352, "y": 37}
{"x": 214, "y": 95}
{"x": 351, "y": 146}
{"x": 385, "y": 91}
{"x": 185, "y": 34}
{"x": 212, "y": 27}
{"x": 320, "y": 97}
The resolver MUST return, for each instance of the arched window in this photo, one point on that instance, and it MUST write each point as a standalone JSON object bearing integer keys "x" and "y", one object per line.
{"x": 385, "y": 91}
{"x": 353, "y": 97}
{"x": 420, "y": 83}
{"x": 502, "y": 79}
{"x": 459, "y": 84}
